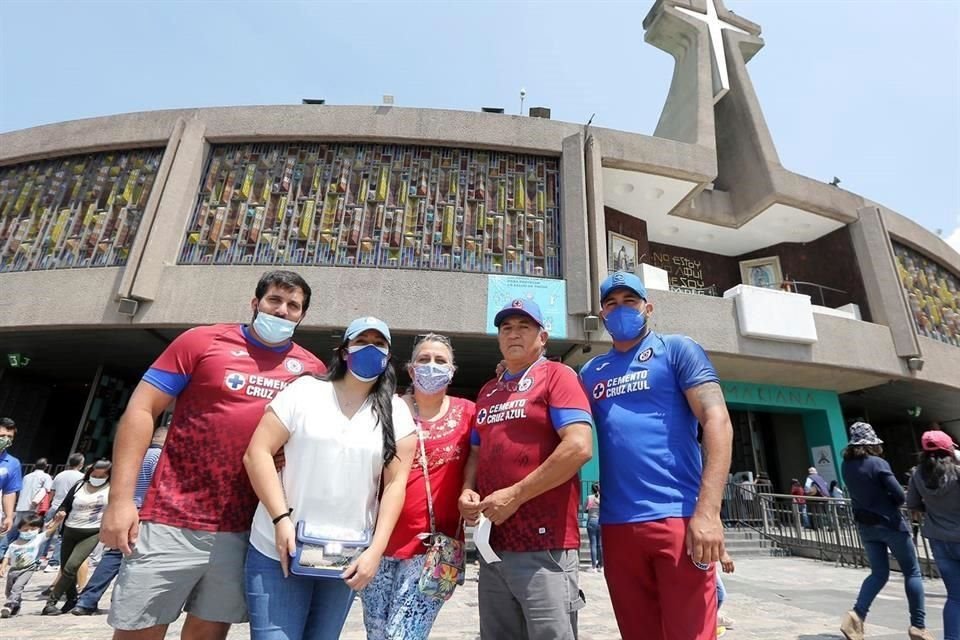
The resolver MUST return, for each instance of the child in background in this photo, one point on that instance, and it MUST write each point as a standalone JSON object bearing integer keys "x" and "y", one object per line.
{"x": 723, "y": 622}
{"x": 22, "y": 558}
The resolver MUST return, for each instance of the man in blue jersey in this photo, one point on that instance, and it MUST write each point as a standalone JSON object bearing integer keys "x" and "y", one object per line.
{"x": 660, "y": 515}
{"x": 11, "y": 481}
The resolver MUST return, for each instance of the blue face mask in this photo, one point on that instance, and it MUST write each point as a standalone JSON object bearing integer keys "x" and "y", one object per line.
{"x": 432, "y": 378}
{"x": 625, "y": 323}
{"x": 271, "y": 329}
{"x": 27, "y": 536}
{"x": 367, "y": 361}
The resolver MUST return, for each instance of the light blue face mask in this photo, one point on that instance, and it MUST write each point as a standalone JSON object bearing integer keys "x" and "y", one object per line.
{"x": 27, "y": 536}
{"x": 271, "y": 329}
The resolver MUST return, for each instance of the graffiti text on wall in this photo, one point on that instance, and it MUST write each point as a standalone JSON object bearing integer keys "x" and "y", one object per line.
{"x": 375, "y": 205}
{"x": 686, "y": 275}
{"x": 933, "y": 294}
{"x": 79, "y": 211}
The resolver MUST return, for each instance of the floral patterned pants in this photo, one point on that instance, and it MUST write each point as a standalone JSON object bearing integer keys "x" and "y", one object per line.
{"x": 393, "y": 607}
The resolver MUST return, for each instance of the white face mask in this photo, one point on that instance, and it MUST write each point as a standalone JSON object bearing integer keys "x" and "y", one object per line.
{"x": 432, "y": 378}
{"x": 97, "y": 482}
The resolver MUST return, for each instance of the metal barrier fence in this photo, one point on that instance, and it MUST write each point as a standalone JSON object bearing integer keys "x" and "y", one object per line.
{"x": 820, "y": 528}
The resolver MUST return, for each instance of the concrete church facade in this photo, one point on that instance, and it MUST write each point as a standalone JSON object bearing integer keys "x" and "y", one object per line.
{"x": 817, "y": 305}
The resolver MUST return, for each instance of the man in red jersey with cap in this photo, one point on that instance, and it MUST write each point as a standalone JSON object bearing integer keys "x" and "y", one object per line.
{"x": 532, "y": 433}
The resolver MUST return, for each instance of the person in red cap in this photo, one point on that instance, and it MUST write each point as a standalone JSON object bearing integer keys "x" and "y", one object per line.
{"x": 532, "y": 433}
{"x": 935, "y": 489}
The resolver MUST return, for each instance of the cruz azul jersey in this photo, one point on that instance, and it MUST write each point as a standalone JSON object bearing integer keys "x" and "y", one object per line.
{"x": 650, "y": 464}
{"x": 223, "y": 379}
{"x": 516, "y": 429}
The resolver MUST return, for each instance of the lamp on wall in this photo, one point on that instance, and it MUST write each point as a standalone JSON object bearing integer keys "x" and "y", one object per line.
{"x": 591, "y": 324}
{"x": 915, "y": 364}
{"x": 128, "y": 307}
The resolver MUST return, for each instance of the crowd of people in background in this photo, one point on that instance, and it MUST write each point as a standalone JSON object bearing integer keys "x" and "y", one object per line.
{"x": 284, "y": 487}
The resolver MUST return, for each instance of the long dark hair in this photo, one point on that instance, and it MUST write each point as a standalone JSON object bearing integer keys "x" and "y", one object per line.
{"x": 936, "y": 468}
{"x": 383, "y": 391}
{"x": 854, "y": 451}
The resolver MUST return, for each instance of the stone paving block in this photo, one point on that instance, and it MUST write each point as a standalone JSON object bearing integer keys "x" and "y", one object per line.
{"x": 769, "y": 599}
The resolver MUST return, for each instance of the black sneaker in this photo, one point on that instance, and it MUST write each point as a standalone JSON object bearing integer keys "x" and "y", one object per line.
{"x": 68, "y": 605}
{"x": 83, "y": 611}
{"x": 6, "y": 612}
{"x": 46, "y": 592}
{"x": 50, "y": 610}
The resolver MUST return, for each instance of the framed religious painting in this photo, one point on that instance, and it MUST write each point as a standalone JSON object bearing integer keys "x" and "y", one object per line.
{"x": 621, "y": 253}
{"x": 762, "y": 272}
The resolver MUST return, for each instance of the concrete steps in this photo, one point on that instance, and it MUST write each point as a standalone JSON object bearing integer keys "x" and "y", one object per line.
{"x": 739, "y": 542}
{"x": 749, "y": 543}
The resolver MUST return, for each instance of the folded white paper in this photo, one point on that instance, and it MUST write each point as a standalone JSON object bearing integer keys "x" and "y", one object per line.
{"x": 481, "y": 538}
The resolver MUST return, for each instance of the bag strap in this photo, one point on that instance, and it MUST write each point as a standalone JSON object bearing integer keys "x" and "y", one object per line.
{"x": 423, "y": 465}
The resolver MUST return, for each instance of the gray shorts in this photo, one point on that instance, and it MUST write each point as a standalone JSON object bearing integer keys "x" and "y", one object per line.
{"x": 533, "y": 595}
{"x": 173, "y": 570}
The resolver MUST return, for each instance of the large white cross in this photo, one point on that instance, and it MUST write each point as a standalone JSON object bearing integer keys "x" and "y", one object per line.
{"x": 721, "y": 79}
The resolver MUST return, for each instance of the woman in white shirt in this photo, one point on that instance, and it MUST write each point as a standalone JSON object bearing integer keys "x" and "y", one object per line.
{"x": 342, "y": 437}
{"x": 84, "y": 507}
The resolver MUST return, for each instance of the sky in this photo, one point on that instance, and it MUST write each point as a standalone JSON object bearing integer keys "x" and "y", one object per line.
{"x": 867, "y": 91}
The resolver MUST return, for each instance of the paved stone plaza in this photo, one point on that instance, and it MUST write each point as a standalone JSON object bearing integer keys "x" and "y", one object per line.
{"x": 769, "y": 599}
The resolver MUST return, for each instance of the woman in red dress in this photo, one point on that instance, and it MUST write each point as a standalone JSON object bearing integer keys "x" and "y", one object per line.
{"x": 393, "y": 606}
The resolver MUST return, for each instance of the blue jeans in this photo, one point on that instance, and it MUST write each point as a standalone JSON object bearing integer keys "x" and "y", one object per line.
{"x": 876, "y": 541}
{"x": 53, "y": 541}
{"x": 104, "y": 574}
{"x": 293, "y": 608}
{"x": 9, "y": 537}
{"x": 947, "y": 555}
{"x": 721, "y": 591}
{"x": 596, "y": 547}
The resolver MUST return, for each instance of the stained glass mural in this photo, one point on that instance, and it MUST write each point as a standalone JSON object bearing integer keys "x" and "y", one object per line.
{"x": 933, "y": 294}
{"x": 377, "y": 205}
{"x": 76, "y": 211}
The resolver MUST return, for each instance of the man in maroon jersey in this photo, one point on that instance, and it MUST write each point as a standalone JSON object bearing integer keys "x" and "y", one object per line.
{"x": 532, "y": 433}
{"x": 188, "y": 552}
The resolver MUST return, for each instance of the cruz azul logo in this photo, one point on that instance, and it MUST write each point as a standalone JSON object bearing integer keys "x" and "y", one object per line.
{"x": 510, "y": 410}
{"x": 234, "y": 381}
{"x": 255, "y": 386}
{"x": 599, "y": 391}
{"x": 629, "y": 383}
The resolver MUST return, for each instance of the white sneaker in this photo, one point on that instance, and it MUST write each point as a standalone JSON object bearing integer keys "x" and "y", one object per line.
{"x": 724, "y": 621}
{"x": 50, "y": 568}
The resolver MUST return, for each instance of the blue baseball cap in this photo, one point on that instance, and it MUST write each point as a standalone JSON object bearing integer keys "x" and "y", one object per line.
{"x": 622, "y": 280}
{"x": 519, "y": 307}
{"x": 366, "y": 323}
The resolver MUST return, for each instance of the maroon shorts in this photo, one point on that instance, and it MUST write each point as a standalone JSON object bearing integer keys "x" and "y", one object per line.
{"x": 657, "y": 592}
